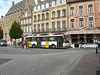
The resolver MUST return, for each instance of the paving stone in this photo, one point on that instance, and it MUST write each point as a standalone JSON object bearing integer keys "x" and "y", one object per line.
{"x": 88, "y": 65}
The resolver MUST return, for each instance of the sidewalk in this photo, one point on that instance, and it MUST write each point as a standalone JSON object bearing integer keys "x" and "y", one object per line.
{"x": 88, "y": 65}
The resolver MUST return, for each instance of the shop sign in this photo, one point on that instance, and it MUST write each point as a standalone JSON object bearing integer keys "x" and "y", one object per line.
{"x": 46, "y": 10}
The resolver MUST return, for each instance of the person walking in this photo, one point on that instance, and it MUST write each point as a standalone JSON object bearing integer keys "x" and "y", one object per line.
{"x": 25, "y": 43}
{"x": 81, "y": 44}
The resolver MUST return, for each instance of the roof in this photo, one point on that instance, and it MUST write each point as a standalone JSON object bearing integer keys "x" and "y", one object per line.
{"x": 16, "y": 8}
{"x": 31, "y": 8}
{"x": 46, "y": 1}
{"x": 75, "y": 1}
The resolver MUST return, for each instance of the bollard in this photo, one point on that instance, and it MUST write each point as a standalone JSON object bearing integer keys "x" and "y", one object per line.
{"x": 96, "y": 50}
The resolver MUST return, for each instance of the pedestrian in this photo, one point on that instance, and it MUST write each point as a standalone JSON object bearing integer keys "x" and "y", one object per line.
{"x": 85, "y": 44}
{"x": 25, "y": 43}
{"x": 80, "y": 44}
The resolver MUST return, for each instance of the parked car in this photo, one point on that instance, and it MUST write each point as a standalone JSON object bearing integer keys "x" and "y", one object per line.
{"x": 3, "y": 43}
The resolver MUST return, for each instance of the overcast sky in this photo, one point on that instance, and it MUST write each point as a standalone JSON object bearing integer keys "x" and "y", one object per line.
{"x": 5, "y": 6}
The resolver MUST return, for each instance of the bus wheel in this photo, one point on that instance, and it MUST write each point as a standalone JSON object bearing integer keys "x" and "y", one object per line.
{"x": 53, "y": 46}
{"x": 33, "y": 46}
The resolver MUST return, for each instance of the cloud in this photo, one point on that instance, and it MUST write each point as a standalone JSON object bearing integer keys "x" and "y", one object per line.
{"x": 5, "y": 6}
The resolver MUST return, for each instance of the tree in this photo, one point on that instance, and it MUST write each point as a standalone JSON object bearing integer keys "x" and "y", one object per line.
{"x": 15, "y": 31}
{"x": 1, "y": 33}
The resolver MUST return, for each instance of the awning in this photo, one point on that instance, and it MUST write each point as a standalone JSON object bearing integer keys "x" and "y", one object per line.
{"x": 26, "y": 34}
{"x": 84, "y": 32}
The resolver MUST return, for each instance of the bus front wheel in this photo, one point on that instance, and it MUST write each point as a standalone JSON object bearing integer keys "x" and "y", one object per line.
{"x": 33, "y": 46}
{"x": 53, "y": 46}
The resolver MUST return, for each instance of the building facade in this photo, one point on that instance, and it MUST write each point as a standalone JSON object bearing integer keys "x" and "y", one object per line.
{"x": 26, "y": 19}
{"x": 84, "y": 21}
{"x": 50, "y": 18}
{"x": 2, "y": 22}
{"x": 14, "y": 14}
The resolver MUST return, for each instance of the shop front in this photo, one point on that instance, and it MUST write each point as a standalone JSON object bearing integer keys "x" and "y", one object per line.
{"x": 90, "y": 38}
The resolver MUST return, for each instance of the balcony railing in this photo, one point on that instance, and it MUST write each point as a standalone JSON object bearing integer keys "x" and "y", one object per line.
{"x": 52, "y": 30}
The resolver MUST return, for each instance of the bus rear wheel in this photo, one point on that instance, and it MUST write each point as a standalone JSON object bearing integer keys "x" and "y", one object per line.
{"x": 33, "y": 46}
{"x": 53, "y": 46}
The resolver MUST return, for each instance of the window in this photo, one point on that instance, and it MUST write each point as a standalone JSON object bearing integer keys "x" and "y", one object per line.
{"x": 30, "y": 21}
{"x": 58, "y": 2}
{"x": 80, "y": 9}
{"x": 71, "y": 10}
{"x": 53, "y": 3}
{"x": 38, "y": 17}
{"x": 35, "y": 18}
{"x": 58, "y": 25}
{"x": 24, "y": 29}
{"x": 27, "y": 28}
{"x": 38, "y": 7}
{"x": 90, "y": 8}
{"x": 63, "y": 1}
{"x": 27, "y": 21}
{"x": 47, "y": 15}
{"x": 24, "y": 21}
{"x": 43, "y": 17}
{"x": 72, "y": 23}
{"x": 30, "y": 28}
{"x": 81, "y": 22}
{"x": 53, "y": 25}
{"x": 91, "y": 23}
{"x": 47, "y": 26}
{"x": 38, "y": 27}
{"x": 47, "y": 5}
{"x": 35, "y": 28}
{"x": 53, "y": 14}
{"x": 34, "y": 8}
{"x": 64, "y": 12}
{"x": 42, "y": 27}
{"x": 63, "y": 24}
{"x": 58, "y": 13}
{"x": 42, "y": 6}
{"x": 26, "y": 13}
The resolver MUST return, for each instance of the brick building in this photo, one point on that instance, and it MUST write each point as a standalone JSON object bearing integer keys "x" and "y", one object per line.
{"x": 84, "y": 20}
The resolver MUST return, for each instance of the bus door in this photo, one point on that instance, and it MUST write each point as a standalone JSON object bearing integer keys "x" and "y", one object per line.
{"x": 39, "y": 42}
{"x": 59, "y": 42}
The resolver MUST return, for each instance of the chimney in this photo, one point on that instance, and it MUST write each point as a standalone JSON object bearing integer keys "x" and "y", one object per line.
{"x": 12, "y": 3}
{"x": 38, "y": 2}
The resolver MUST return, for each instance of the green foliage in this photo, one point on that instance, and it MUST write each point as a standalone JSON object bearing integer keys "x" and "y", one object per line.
{"x": 15, "y": 31}
{"x": 1, "y": 33}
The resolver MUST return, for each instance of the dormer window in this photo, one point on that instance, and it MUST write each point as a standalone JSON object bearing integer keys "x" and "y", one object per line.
{"x": 36, "y": 8}
{"x": 47, "y": 5}
{"x": 53, "y": 3}
{"x": 63, "y": 1}
{"x": 42, "y": 6}
{"x": 58, "y": 2}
